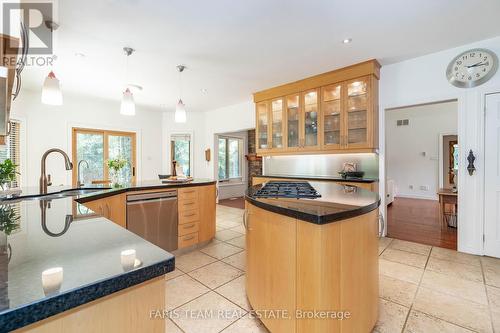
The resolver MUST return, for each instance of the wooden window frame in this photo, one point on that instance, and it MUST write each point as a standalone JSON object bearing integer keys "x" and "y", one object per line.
{"x": 105, "y": 134}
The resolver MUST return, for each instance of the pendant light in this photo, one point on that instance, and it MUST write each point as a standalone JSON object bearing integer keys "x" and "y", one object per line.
{"x": 127, "y": 107}
{"x": 180, "y": 109}
{"x": 51, "y": 90}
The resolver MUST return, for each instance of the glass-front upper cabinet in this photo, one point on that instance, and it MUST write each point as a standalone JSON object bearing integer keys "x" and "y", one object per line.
{"x": 332, "y": 116}
{"x": 277, "y": 126}
{"x": 311, "y": 118}
{"x": 293, "y": 120}
{"x": 262, "y": 126}
{"x": 357, "y": 113}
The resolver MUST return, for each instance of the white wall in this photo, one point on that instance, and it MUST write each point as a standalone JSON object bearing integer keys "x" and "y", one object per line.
{"x": 423, "y": 80}
{"x": 412, "y": 152}
{"x": 50, "y": 127}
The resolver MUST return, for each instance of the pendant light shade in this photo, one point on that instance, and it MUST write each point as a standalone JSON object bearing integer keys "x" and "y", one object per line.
{"x": 180, "y": 109}
{"x": 128, "y": 105}
{"x": 51, "y": 90}
{"x": 180, "y": 112}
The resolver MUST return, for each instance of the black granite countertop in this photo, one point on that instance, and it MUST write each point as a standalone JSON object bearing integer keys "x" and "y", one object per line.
{"x": 325, "y": 178}
{"x": 337, "y": 202}
{"x": 88, "y": 249}
{"x": 107, "y": 190}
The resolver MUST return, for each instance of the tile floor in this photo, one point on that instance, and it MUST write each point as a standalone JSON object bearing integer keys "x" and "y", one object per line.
{"x": 422, "y": 288}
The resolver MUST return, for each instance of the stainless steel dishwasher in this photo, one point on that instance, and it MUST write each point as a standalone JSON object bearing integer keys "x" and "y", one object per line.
{"x": 153, "y": 216}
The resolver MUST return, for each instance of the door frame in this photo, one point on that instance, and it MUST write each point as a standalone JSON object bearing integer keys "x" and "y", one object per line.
{"x": 105, "y": 133}
{"x": 441, "y": 155}
{"x": 483, "y": 213}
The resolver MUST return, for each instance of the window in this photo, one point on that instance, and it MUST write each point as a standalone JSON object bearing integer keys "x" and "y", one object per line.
{"x": 96, "y": 147}
{"x": 11, "y": 150}
{"x": 180, "y": 151}
{"x": 230, "y": 156}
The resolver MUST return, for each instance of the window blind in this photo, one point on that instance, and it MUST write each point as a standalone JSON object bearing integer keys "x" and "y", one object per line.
{"x": 11, "y": 150}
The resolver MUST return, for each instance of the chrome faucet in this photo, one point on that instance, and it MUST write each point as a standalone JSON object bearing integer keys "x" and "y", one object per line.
{"x": 44, "y": 179}
{"x": 80, "y": 183}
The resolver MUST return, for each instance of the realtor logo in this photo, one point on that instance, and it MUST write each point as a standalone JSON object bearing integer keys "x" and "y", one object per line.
{"x": 37, "y": 18}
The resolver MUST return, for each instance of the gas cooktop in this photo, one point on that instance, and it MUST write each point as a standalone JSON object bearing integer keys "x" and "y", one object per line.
{"x": 277, "y": 189}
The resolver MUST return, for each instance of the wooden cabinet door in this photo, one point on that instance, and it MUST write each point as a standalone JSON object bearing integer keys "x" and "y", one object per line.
{"x": 358, "y": 120}
{"x": 310, "y": 120}
{"x": 262, "y": 127}
{"x": 271, "y": 265}
{"x": 332, "y": 118}
{"x": 96, "y": 206}
{"x": 116, "y": 209}
{"x": 206, "y": 197}
{"x": 277, "y": 125}
{"x": 293, "y": 122}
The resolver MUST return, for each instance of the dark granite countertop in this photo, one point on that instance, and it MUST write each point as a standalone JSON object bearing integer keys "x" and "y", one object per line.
{"x": 107, "y": 190}
{"x": 337, "y": 202}
{"x": 321, "y": 178}
{"x": 88, "y": 249}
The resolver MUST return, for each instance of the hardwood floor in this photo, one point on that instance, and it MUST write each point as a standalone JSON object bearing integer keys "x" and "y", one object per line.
{"x": 233, "y": 202}
{"x": 417, "y": 220}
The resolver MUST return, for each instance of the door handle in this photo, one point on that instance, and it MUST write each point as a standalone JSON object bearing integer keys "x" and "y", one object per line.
{"x": 190, "y": 226}
{"x": 245, "y": 219}
{"x": 471, "y": 158}
{"x": 189, "y": 238}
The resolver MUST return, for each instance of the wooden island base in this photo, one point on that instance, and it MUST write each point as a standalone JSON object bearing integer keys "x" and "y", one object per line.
{"x": 308, "y": 269}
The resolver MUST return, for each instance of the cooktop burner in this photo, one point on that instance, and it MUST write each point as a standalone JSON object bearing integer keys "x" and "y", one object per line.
{"x": 276, "y": 189}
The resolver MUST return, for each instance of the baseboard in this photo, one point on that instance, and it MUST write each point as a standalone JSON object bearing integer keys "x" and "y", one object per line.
{"x": 415, "y": 196}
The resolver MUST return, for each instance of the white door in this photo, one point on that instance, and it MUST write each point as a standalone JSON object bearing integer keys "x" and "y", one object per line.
{"x": 492, "y": 176}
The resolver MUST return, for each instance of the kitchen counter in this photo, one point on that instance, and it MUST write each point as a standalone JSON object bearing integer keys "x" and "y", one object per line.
{"x": 337, "y": 202}
{"x": 107, "y": 190}
{"x": 88, "y": 250}
{"x": 323, "y": 274}
{"x": 333, "y": 179}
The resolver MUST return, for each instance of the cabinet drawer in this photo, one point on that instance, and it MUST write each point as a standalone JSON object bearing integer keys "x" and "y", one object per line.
{"x": 188, "y": 240}
{"x": 188, "y": 228}
{"x": 188, "y": 204}
{"x": 187, "y": 216}
{"x": 187, "y": 193}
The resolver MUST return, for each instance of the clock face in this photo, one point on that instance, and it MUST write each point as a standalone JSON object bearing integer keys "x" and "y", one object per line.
{"x": 472, "y": 68}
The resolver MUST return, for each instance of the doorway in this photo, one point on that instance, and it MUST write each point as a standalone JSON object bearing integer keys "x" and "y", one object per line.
{"x": 492, "y": 176}
{"x": 422, "y": 171}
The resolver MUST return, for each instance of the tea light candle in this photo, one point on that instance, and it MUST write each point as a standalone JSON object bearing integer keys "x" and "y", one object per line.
{"x": 52, "y": 279}
{"x": 128, "y": 259}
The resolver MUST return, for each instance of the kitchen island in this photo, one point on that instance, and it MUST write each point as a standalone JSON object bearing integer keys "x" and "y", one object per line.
{"x": 312, "y": 264}
{"x": 61, "y": 274}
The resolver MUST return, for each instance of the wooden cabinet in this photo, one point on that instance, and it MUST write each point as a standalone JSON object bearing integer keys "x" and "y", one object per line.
{"x": 196, "y": 215}
{"x": 271, "y": 265}
{"x": 292, "y": 265}
{"x": 331, "y": 112}
{"x": 113, "y": 208}
{"x": 207, "y": 213}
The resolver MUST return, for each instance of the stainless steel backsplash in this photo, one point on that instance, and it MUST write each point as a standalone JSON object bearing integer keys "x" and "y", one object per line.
{"x": 325, "y": 165}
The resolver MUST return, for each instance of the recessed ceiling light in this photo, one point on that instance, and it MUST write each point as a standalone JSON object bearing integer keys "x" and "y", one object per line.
{"x": 204, "y": 90}
{"x": 347, "y": 40}
{"x": 80, "y": 55}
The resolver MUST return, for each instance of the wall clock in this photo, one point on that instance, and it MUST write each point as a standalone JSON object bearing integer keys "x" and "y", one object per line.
{"x": 472, "y": 68}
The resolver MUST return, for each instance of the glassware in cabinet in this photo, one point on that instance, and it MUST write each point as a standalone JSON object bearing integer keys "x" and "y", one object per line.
{"x": 277, "y": 123}
{"x": 293, "y": 120}
{"x": 262, "y": 125}
{"x": 311, "y": 115}
{"x": 332, "y": 116}
{"x": 357, "y": 112}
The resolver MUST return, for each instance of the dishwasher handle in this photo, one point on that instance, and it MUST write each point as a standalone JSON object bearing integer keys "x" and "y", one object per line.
{"x": 140, "y": 202}
{"x": 172, "y": 195}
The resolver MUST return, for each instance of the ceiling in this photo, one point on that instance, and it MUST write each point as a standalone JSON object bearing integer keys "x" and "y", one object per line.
{"x": 233, "y": 48}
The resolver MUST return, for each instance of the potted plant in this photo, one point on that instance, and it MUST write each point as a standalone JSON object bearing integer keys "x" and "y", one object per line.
{"x": 8, "y": 174}
{"x": 115, "y": 165}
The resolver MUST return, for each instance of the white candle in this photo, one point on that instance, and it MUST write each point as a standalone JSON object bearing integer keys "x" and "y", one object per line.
{"x": 128, "y": 259}
{"x": 52, "y": 279}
